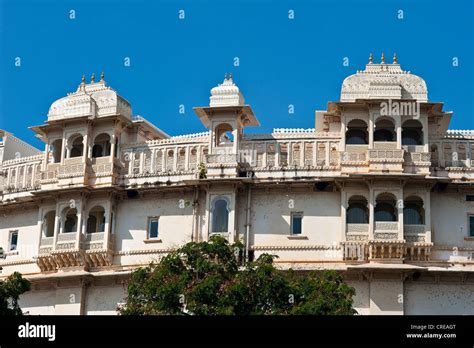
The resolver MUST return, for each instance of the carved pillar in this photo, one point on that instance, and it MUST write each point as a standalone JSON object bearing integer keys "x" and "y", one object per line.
{"x": 343, "y": 214}
{"x": 400, "y": 205}
{"x": 57, "y": 223}
{"x": 371, "y": 213}
{"x": 427, "y": 206}
{"x": 371, "y": 130}
{"x": 398, "y": 127}
{"x": 112, "y": 148}
{"x": 46, "y": 155}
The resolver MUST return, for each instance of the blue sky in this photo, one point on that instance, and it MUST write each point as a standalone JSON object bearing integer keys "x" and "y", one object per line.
{"x": 175, "y": 61}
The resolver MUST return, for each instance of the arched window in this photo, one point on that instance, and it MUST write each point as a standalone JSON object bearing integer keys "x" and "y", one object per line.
{"x": 356, "y": 133}
{"x": 224, "y": 134}
{"x": 48, "y": 224}
{"x": 412, "y": 133}
{"x": 384, "y": 130}
{"x": 70, "y": 222}
{"x": 220, "y": 215}
{"x": 77, "y": 147}
{"x": 96, "y": 220}
{"x": 170, "y": 161}
{"x": 357, "y": 211}
{"x": 385, "y": 208}
{"x": 101, "y": 146}
{"x": 413, "y": 211}
{"x": 56, "y": 148}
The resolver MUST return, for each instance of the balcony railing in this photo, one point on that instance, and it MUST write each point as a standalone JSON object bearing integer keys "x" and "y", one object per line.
{"x": 355, "y": 251}
{"x": 222, "y": 158}
{"x": 386, "y": 155}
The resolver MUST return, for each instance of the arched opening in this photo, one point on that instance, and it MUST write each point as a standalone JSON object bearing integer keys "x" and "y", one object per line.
{"x": 181, "y": 159}
{"x": 70, "y": 221}
{"x": 56, "y": 148}
{"x": 224, "y": 136}
{"x": 412, "y": 133}
{"x": 413, "y": 211}
{"x": 170, "y": 160}
{"x": 384, "y": 130}
{"x": 96, "y": 220}
{"x": 356, "y": 133}
{"x": 77, "y": 146}
{"x": 357, "y": 211}
{"x": 101, "y": 146}
{"x": 220, "y": 215}
{"x": 48, "y": 223}
{"x": 385, "y": 208}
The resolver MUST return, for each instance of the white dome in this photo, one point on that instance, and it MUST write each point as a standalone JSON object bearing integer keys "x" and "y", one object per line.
{"x": 383, "y": 81}
{"x": 226, "y": 94}
{"x": 92, "y": 100}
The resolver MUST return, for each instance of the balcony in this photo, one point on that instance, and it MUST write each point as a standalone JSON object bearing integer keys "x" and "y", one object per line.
{"x": 355, "y": 251}
{"x": 385, "y": 161}
{"x": 70, "y": 251}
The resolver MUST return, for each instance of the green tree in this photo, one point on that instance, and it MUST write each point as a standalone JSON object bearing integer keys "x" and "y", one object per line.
{"x": 10, "y": 291}
{"x": 206, "y": 279}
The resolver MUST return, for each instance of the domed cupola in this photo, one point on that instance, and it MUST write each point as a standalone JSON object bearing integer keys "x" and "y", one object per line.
{"x": 384, "y": 81}
{"x": 95, "y": 99}
{"x": 226, "y": 94}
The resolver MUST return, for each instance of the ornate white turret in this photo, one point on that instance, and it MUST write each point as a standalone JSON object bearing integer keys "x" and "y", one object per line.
{"x": 93, "y": 100}
{"x": 226, "y": 94}
{"x": 384, "y": 81}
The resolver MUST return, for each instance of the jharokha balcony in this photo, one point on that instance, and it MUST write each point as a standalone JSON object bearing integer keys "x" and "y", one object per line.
{"x": 67, "y": 248}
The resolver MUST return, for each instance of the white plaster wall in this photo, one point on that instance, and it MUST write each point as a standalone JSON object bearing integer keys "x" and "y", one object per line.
{"x": 386, "y": 297}
{"x": 103, "y": 300}
{"x": 26, "y": 222}
{"x": 439, "y": 298}
{"x": 362, "y": 296}
{"x": 174, "y": 227}
{"x": 38, "y": 302}
{"x": 449, "y": 216}
{"x": 270, "y": 218}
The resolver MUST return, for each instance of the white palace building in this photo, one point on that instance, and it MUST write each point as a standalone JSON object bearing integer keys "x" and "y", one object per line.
{"x": 380, "y": 190}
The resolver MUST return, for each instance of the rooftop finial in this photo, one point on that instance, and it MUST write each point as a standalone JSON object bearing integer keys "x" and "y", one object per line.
{"x": 230, "y": 76}
{"x": 394, "y": 58}
{"x": 83, "y": 79}
{"x": 383, "y": 59}
{"x": 93, "y": 78}
{"x": 102, "y": 76}
{"x": 370, "y": 58}
{"x": 225, "y": 77}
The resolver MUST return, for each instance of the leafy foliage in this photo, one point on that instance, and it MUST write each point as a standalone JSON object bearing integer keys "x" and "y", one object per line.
{"x": 205, "y": 279}
{"x": 10, "y": 291}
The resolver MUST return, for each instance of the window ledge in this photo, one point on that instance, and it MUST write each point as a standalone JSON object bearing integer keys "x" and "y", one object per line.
{"x": 469, "y": 238}
{"x": 298, "y": 237}
{"x": 150, "y": 241}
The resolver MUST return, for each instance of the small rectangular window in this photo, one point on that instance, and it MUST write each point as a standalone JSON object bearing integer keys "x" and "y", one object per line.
{"x": 13, "y": 240}
{"x": 471, "y": 225}
{"x": 296, "y": 223}
{"x": 470, "y": 198}
{"x": 153, "y": 228}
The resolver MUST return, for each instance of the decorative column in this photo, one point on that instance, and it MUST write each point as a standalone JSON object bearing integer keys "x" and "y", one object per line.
{"x": 400, "y": 205}
{"x": 46, "y": 156}
{"x": 343, "y": 214}
{"x": 371, "y": 213}
{"x": 186, "y": 157}
{"x": 79, "y": 224}
{"x": 424, "y": 122}
{"x": 85, "y": 144}
{"x": 57, "y": 222}
{"x": 112, "y": 148}
{"x": 302, "y": 153}
{"x": 427, "y": 206}
{"x": 342, "y": 144}
{"x": 398, "y": 126}
{"x": 371, "y": 130}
